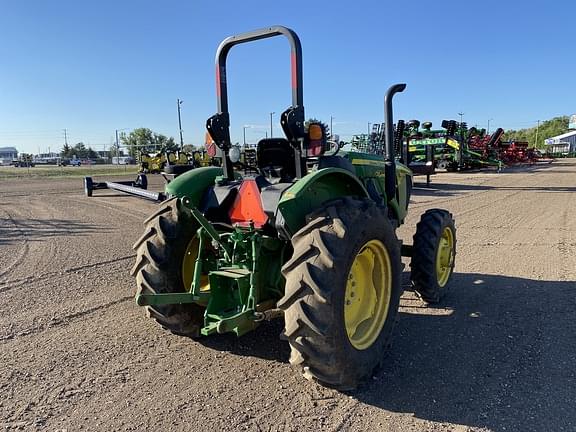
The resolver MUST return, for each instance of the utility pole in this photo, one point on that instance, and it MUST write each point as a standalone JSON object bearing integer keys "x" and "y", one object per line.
{"x": 65, "y": 136}
{"x": 537, "y": 129}
{"x": 180, "y": 125}
{"x": 117, "y": 149}
{"x": 369, "y": 128}
{"x": 271, "y": 133}
{"x": 244, "y": 133}
{"x": 331, "y": 132}
{"x": 459, "y": 152}
{"x": 488, "y": 131}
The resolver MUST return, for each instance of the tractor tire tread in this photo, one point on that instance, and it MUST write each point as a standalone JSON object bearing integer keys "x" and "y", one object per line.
{"x": 166, "y": 235}
{"x": 314, "y": 328}
{"x": 423, "y": 262}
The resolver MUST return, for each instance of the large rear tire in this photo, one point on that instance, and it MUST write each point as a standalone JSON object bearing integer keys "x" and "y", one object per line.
{"x": 343, "y": 287}
{"x": 433, "y": 255}
{"x": 160, "y": 255}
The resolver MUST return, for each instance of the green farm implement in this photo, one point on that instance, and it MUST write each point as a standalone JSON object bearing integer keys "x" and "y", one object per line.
{"x": 455, "y": 147}
{"x": 311, "y": 238}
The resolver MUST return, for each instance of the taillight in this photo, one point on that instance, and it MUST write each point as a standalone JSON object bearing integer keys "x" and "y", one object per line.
{"x": 247, "y": 207}
{"x": 316, "y": 141}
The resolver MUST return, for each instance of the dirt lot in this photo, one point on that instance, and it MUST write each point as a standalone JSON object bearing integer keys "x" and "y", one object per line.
{"x": 76, "y": 353}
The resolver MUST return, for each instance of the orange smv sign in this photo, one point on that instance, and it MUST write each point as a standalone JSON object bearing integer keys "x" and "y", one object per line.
{"x": 248, "y": 206}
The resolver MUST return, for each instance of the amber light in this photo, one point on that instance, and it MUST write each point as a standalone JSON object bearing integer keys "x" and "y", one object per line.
{"x": 247, "y": 207}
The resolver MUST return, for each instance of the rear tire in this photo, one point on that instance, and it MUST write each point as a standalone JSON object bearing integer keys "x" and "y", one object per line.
{"x": 433, "y": 234}
{"x": 88, "y": 186}
{"x": 317, "y": 281}
{"x": 158, "y": 268}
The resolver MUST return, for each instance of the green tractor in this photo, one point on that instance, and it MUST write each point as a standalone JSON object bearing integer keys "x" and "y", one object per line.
{"x": 311, "y": 239}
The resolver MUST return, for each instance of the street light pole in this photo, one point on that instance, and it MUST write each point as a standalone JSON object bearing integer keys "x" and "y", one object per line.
{"x": 180, "y": 125}
{"x": 460, "y": 114}
{"x": 537, "y": 130}
{"x": 271, "y": 133}
{"x": 488, "y": 131}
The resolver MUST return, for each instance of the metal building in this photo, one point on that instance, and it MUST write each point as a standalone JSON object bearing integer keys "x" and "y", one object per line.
{"x": 7, "y": 154}
{"x": 565, "y": 143}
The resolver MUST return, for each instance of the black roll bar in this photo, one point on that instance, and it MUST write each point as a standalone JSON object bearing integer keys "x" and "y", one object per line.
{"x": 219, "y": 124}
{"x": 268, "y": 32}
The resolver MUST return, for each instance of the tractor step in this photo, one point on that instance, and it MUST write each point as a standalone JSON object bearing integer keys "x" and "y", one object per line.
{"x": 231, "y": 272}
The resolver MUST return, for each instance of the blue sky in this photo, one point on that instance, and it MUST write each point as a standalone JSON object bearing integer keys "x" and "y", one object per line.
{"x": 93, "y": 67}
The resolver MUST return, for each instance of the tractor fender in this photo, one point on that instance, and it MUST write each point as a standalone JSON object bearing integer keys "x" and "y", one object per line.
{"x": 193, "y": 184}
{"x": 313, "y": 191}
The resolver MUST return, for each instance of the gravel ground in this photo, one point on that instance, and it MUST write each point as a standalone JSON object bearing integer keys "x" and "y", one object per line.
{"x": 76, "y": 353}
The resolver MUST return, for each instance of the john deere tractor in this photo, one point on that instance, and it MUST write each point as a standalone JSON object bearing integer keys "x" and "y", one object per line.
{"x": 311, "y": 239}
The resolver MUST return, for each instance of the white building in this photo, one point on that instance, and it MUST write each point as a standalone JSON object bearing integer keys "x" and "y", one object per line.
{"x": 7, "y": 154}
{"x": 565, "y": 143}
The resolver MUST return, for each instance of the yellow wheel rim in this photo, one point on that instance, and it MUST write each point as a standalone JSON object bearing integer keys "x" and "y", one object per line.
{"x": 368, "y": 293}
{"x": 188, "y": 263}
{"x": 445, "y": 257}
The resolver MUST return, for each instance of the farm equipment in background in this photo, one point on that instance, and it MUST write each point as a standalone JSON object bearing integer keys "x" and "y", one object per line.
{"x": 310, "y": 238}
{"x": 516, "y": 152}
{"x": 154, "y": 163}
{"x": 416, "y": 149}
{"x": 455, "y": 147}
{"x": 137, "y": 188}
{"x": 25, "y": 160}
{"x": 420, "y": 163}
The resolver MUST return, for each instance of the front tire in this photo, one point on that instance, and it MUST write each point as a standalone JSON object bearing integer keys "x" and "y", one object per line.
{"x": 160, "y": 254}
{"x": 433, "y": 255}
{"x": 343, "y": 287}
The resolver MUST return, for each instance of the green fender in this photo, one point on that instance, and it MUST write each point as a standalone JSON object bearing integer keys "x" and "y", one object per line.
{"x": 313, "y": 190}
{"x": 193, "y": 183}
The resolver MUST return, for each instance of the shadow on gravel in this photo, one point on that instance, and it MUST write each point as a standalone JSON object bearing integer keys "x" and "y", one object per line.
{"x": 451, "y": 189}
{"x": 499, "y": 354}
{"x": 264, "y": 342}
{"x": 16, "y": 230}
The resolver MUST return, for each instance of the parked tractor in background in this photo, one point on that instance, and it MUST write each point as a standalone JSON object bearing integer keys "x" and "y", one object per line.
{"x": 25, "y": 160}
{"x": 310, "y": 238}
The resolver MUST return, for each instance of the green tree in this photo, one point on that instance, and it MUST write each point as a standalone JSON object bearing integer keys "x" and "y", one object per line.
{"x": 66, "y": 151}
{"x": 189, "y": 148}
{"x": 79, "y": 150}
{"x": 146, "y": 140}
{"x": 91, "y": 154}
{"x": 547, "y": 129}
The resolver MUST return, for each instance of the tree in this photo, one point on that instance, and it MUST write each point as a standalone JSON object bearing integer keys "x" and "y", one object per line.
{"x": 146, "y": 140}
{"x": 66, "y": 151}
{"x": 189, "y": 148}
{"x": 79, "y": 150}
{"x": 91, "y": 154}
{"x": 547, "y": 129}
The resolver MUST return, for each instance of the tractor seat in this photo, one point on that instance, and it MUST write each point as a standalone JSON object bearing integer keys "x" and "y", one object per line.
{"x": 275, "y": 158}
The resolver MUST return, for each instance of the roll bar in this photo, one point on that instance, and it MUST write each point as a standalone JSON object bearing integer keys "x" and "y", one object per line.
{"x": 268, "y": 32}
{"x": 219, "y": 124}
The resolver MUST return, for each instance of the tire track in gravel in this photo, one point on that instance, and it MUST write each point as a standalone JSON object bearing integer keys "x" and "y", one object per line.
{"x": 16, "y": 283}
{"x": 64, "y": 320}
{"x": 134, "y": 214}
{"x": 22, "y": 251}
